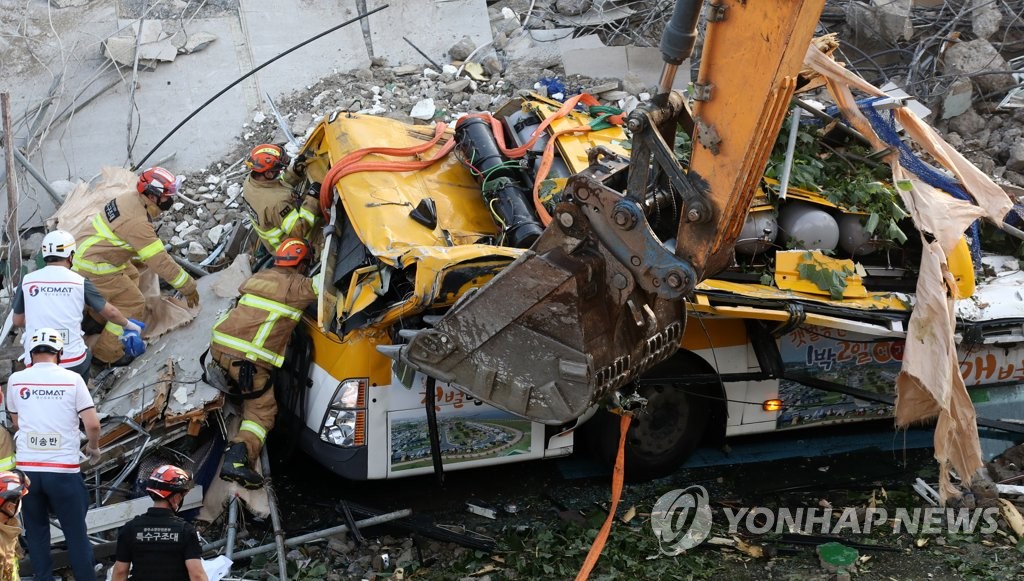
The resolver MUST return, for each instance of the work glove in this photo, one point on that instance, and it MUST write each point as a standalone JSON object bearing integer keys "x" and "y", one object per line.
{"x": 192, "y": 298}
{"x": 93, "y": 453}
{"x": 133, "y": 343}
{"x": 135, "y": 326}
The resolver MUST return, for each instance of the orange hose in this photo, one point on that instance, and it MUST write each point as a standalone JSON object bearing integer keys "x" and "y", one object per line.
{"x": 338, "y": 167}
{"x": 618, "y": 476}
{"x": 352, "y": 163}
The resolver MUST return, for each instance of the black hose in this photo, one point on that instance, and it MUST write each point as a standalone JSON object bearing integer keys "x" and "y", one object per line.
{"x": 357, "y": 18}
{"x": 435, "y": 437}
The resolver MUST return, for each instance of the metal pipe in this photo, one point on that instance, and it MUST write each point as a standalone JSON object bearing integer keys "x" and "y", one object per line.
{"x": 31, "y": 169}
{"x": 11, "y": 224}
{"x": 366, "y": 522}
{"x": 135, "y": 461}
{"x": 787, "y": 165}
{"x": 275, "y": 518}
{"x": 232, "y": 526}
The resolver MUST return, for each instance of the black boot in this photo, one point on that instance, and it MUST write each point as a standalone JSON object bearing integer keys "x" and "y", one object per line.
{"x": 236, "y": 467}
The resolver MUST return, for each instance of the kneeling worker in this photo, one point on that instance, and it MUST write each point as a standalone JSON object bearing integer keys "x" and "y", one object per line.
{"x": 159, "y": 544}
{"x": 249, "y": 342}
{"x": 122, "y": 232}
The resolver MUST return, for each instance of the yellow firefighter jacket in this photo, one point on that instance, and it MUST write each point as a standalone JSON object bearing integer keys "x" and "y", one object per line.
{"x": 122, "y": 231}
{"x": 274, "y": 214}
{"x": 259, "y": 327}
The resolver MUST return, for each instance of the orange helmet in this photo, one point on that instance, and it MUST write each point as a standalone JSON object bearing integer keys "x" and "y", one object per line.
{"x": 157, "y": 181}
{"x": 267, "y": 157}
{"x": 291, "y": 252}
{"x": 167, "y": 480}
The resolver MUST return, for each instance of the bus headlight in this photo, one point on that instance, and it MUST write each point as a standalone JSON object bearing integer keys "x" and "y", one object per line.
{"x": 345, "y": 421}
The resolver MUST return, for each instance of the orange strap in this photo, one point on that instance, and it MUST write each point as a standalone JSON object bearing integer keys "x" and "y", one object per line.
{"x": 618, "y": 475}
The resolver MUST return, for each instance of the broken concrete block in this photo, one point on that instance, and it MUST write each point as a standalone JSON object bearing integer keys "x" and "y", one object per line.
{"x": 457, "y": 86}
{"x": 197, "y": 41}
{"x": 1015, "y": 162}
{"x": 423, "y": 109}
{"x": 986, "y": 18}
{"x": 894, "y": 19}
{"x": 196, "y": 251}
{"x": 479, "y": 101}
{"x": 957, "y": 99}
{"x": 863, "y": 21}
{"x": 967, "y": 124}
{"x": 603, "y": 88}
{"x": 215, "y": 233}
{"x": 492, "y": 65}
{"x": 975, "y": 56}
{"x": 461, "y": 50}
{"x": 32, "y": 245}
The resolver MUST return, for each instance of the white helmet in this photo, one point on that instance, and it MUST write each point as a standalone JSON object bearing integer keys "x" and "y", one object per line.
{"x": 58, "y": 243}
{"x": 46, "y": 337}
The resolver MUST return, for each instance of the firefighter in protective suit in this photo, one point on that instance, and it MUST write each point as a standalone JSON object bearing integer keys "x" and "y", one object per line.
{"x": 123, "y": 232}
{"x": 13, "y": 485}
{"x": 249, "y": 342}
{"x": 275, "y": 209}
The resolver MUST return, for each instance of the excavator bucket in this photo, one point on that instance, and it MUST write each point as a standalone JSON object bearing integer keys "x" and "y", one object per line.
{"x": 596, "y": 301}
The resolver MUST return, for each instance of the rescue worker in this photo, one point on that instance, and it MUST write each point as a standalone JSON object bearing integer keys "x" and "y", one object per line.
{"x": 275, "y": 209}
{"x": 56, "y": 297}
{"x": 249, "y": 342}
{"x": 13, "y": 485}
{"x": 122, "y": 232}
{"x": 159, "y": 544}
{"x": 45, "y": 403}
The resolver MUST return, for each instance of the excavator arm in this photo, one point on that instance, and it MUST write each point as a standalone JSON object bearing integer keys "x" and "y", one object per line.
{"x": 599, "y": 298}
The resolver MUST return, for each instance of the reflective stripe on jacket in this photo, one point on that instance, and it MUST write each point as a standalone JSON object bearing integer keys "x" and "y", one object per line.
{"x": 259, "y": 327}
{"x": 273, "y": 213}
{"x": 122, "y": 231}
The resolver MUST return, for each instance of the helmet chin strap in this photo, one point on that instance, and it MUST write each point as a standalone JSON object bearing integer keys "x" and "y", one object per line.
{"x": 175, "y": 501}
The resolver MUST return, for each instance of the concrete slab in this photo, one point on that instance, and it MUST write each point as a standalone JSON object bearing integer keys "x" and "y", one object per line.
{"x": 616, "y": 62}
{"x": 432, "y": 25}
{"x": 267, "y": 31}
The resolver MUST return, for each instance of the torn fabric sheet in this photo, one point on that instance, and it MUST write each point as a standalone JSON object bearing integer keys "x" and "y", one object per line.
{"x": 929, "y": 384}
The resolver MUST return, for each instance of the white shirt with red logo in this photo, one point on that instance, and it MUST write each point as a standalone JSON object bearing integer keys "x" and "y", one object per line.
{"x": 47, "y": 399}
{"x": 55, "y": 298}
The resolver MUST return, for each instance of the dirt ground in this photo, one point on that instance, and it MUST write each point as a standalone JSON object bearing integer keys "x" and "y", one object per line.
{"x": 547, "y": 514}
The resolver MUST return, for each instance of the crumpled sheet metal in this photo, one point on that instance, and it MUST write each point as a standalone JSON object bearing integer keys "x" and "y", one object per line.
{"x": 929, "y": 383}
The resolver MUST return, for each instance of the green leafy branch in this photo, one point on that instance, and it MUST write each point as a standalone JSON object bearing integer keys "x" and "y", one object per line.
{"x": 824, "y": 276}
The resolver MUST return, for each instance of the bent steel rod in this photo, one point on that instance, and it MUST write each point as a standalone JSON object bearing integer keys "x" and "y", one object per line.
{"x": 357, "y": 18}
{"x": 275, "y": 517}
{"x": 314, "y": 536}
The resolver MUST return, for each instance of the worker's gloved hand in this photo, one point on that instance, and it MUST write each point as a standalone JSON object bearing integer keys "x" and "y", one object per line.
{"x": 133, "y": 343}
{"x": 93, "y": 453}
{"x": 135, "y": 326}
{"x": 191, "y": 298}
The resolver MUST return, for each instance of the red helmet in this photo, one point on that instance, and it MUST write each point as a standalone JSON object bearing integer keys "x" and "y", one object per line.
{"x": 167, "y": 480}
{"x": 267, "y": 157}
{"x": 157, "y": 181}
{"x": 291, "y": 252}
{"x": 13, "y": 485}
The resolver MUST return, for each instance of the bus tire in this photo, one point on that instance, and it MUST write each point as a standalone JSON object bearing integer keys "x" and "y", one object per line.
{"x": 660, "y": 438}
